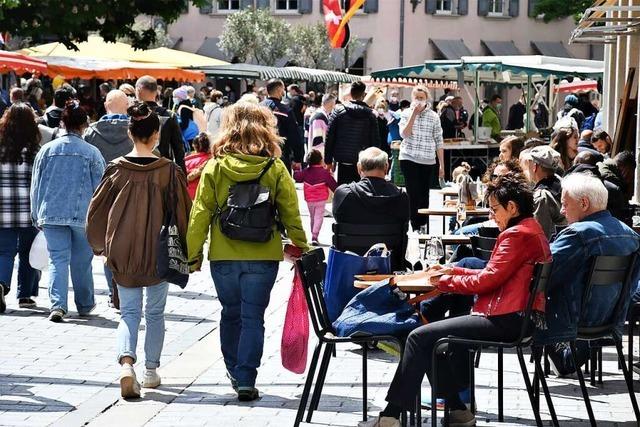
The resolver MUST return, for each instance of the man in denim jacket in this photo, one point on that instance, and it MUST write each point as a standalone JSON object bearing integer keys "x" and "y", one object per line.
{"x": 592, "y": 231}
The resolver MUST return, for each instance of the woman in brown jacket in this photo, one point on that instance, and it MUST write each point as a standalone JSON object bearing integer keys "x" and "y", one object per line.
{"x": 123, "y": 224}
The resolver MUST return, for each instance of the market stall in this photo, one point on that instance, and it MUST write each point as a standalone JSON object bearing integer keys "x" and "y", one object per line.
{"x": 262, "y": 72}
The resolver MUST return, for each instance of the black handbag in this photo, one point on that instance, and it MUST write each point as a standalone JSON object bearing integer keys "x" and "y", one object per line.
{"x": 171, "y": 262}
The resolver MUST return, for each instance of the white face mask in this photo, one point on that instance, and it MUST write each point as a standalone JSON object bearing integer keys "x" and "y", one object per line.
{"x": 381, "y": 111}
{"x": 414, "y": 104}
{"x": 220, "y": 101}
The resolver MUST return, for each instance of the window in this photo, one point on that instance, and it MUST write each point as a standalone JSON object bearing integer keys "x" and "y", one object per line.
{"x": 224, "y": 5}
{"x": 444, "y": 7}
{"x": 497, "y": 7}
{"x": 287, "y": 5}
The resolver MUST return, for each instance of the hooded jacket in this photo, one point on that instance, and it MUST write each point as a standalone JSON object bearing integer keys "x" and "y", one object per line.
{"x": 52, "y": 117}
{"x": 213, "y": 190}
{"x": 352, "y": 128}
{"x": 288, "y": 129}
{"x": 546, "y": 200}
{"x": 618, "y": 202}
{"x": 371, "y": 201}
{"x": 109, "y": 135}
{"x": 126, "y": 214}
{"x": 170, "y": 144}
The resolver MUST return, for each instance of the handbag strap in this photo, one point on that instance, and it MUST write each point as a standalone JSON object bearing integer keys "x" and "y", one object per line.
{"x": 170, "y": 197}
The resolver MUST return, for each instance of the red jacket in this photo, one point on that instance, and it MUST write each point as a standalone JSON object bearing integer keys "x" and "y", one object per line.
{"x": 194, "y": 163}
{"x": 503, "y": 286}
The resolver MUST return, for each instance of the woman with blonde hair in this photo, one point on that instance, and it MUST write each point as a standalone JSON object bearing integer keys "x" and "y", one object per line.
{"x": 246, "y": 153}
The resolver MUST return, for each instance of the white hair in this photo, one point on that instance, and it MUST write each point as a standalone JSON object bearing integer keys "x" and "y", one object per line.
{"x": 373, "y": 159}
{"x": 581, "y": 186}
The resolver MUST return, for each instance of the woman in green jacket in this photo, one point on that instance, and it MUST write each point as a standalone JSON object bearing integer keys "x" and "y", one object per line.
{"x": 243, "y": 272}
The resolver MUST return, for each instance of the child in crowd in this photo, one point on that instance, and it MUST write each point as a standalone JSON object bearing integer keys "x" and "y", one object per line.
{"x": 195, "y": 162}
{"x": 317, "y": 183}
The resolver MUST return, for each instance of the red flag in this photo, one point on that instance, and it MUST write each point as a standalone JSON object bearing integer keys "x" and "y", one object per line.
{"x": 332, "y": 19}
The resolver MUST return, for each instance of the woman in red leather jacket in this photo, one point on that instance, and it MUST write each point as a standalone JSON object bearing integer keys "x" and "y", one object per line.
{"x": 502, "y": 290}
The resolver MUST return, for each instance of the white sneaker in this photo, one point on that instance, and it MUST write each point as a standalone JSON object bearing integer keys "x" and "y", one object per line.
{"x": 129, "y": 385}
{"x": 151, "y": 379}
{"x": 380, "y": 422}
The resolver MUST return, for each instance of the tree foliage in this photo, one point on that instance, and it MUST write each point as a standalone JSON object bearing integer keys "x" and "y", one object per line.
{"x": 557, "y": 9}
{"x": 73, "y": 20}
{"x": 310, "y": 46}
{"x": 254, "y": 34}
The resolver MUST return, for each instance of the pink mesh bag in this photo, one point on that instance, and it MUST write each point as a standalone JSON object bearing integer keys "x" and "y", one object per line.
{"x": 295, "y": 334}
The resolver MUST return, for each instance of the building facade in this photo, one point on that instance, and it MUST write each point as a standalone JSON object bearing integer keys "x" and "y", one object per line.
{"x": 402, "y": 32}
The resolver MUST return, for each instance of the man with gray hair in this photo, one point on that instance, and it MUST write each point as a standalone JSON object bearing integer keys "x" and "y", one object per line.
{"x": 372, "y": 200}
{"x": 592, "y": 231}
{"x": 319, "y": 123}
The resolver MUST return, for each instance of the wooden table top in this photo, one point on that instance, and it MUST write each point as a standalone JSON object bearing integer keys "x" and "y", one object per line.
{"x": 417, "y": 283}
{"x": 453, "y": 211}
{"x": 448, "y": 191}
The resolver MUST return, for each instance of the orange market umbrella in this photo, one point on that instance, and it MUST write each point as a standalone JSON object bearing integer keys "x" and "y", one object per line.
{"x": 11, "y": 61}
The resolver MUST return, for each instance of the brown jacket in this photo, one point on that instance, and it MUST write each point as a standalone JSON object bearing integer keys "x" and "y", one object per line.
{"x": 125, "y": 217}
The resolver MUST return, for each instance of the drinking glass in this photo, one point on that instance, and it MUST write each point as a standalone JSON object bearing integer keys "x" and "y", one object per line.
{"x": 412, "y": 254}
{"x": 433, "y": 251}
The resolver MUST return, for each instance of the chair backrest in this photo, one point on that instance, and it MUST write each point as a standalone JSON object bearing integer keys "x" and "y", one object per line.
{"x": 492, "y": 232}
{"x": 538, "y": 285}
{"x": 359, "y": 238}
{"x": 312, "y": 268}
{"x": 482, "y": 247}
{"x": 608, "y": 271}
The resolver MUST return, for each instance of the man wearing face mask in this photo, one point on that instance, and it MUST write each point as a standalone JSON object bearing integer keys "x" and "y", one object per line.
{"x": 230, "y": 94}
{"x": 293, "y": 150}
{"x": 422, "y": 143}
{"x": 394, "y": 101}
{"x": 491, "y": 116}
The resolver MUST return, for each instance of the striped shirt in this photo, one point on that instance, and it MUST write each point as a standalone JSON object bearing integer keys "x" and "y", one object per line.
{"x": 425, "y": 139}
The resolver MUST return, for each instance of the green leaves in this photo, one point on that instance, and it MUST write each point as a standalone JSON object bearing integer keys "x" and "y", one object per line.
{"x": 558, "y": 9}
{"x": 73, "y": 20}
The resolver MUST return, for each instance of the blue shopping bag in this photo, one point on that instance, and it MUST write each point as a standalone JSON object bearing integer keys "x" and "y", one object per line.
{"x": 341, "y": 269}
{"x": 381, "y": 309}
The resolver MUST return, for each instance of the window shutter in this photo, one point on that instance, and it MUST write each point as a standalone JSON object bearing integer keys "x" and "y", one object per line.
{"x": 207, "y": 8}
{"x": 532, "y": 8}
{"x": 514, "y": 8}
{"x": 262, "y": 4}
{"x": 463, "y": 7}
{"x": 371, "y": 6}
{"x": 245, "y": 4}
{"x": 305, "y": 6}
{"x": 430, "y": 7}
{"x": 483, "y": 7}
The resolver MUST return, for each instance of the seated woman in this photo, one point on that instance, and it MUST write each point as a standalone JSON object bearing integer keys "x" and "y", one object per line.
{"x": 502, "y": 288}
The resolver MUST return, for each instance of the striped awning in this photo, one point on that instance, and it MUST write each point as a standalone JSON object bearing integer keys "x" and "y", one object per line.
{"x": 262, "y": 72}
{"x": 11, "y": 61}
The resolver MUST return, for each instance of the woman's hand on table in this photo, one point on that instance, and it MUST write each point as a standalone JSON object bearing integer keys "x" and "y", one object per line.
{"x": 438, "y": 271}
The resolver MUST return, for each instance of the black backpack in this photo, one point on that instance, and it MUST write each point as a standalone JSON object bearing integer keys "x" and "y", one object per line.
{"x": 249, "y": 213}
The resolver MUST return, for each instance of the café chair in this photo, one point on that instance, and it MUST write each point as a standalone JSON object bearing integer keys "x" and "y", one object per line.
{"x": 634, "y": 317}
{"x": 607, "y": 271}
{"x": 312, "y": 271}
{"x": 537, "y": 286}
{"x": 482, "y": 247}
{"x": 359, "y": 238}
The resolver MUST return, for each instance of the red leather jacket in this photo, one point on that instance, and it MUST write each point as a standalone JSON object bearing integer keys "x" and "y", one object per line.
{"x": 503, "y": 286}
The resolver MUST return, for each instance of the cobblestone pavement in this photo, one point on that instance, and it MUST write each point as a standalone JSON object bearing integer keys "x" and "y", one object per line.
{"x": 65, "y": 374}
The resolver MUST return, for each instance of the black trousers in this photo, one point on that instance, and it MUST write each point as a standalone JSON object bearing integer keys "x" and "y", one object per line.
{"x": 453, "y": 373}
{"x": 347, "y": 173}
{"x": 417, "y": 179}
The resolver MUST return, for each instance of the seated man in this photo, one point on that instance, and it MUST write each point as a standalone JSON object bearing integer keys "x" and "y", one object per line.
{"x": 373, "y": 200}
{"x": 592, "y": 231}
{"x": 539, "y": 167}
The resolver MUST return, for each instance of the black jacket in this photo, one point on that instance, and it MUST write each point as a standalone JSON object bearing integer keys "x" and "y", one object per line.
{"x": 618, "y": 201}
{"x": 288, "y": 129}
{"x": 516, "y": 116}
{"x": 170, "y": 145}
{"x": 352, "y": 128}
{"x": 371, "y": 201}
{"x": 448, "y": 121}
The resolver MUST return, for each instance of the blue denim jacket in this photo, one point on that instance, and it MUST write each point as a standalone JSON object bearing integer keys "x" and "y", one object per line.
{"x": 66, "y": 172}
{"x": 572, "y": 250}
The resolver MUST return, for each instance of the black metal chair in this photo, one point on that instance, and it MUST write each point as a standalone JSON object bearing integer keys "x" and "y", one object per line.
{"x": 634, "y": 317}
{"x": 359, "y": 238}
{"x": 482, "y": 247}
{"x": 607, "y": 271}
{"x": 537, "y": 286}
{"x": 312, "y": 270}
{"x": 492, "y": 232}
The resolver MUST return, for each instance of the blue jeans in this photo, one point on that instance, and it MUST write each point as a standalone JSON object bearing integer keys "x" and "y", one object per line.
{"x": 17, "y": 241}
{"x": 130, "y": 315}
{"x": 243, "y": 288}
{"x": 69, "y": 250}
{"x": 108, "y": 275}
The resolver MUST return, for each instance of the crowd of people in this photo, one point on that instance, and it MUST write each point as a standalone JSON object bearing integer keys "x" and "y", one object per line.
{"x": 104, "y": 178}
